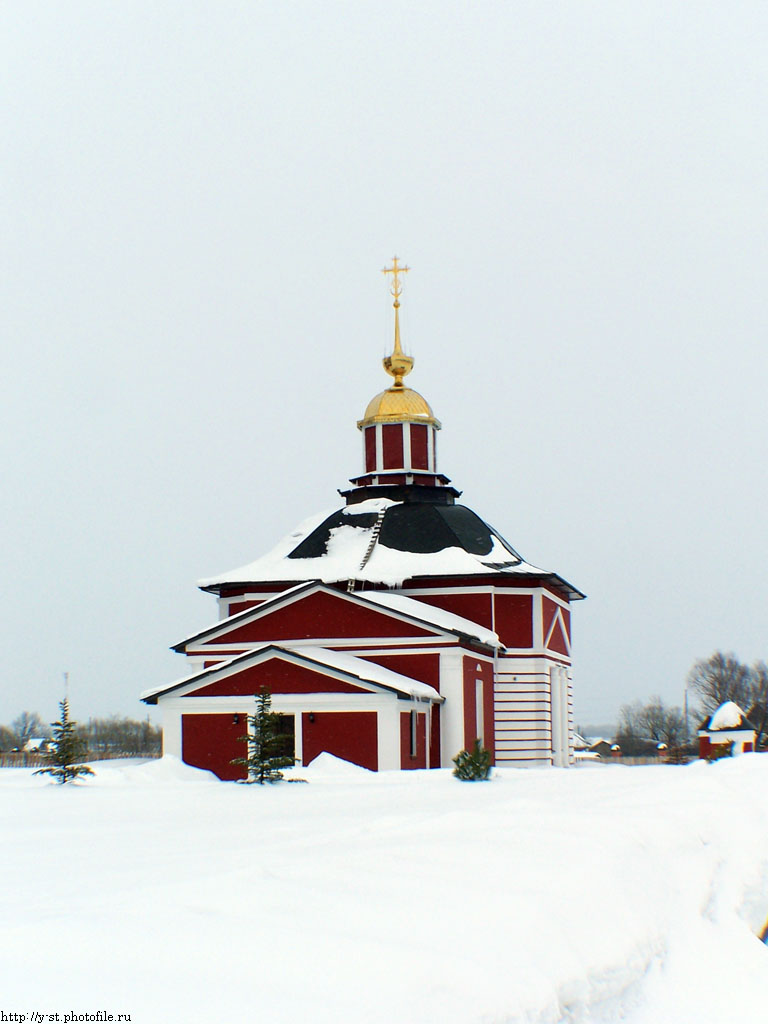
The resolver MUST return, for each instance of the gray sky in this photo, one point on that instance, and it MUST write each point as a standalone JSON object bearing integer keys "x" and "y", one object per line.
{"x": 197, "y": 199}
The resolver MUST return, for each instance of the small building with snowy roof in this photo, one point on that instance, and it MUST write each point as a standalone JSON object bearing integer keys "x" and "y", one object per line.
{"x": 392, "y": 632}
{"x": 727, "y": 725}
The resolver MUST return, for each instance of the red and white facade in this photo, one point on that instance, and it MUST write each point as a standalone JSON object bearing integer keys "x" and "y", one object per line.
{"x": 727, "y": 727}
{"x": 391, "y": 634}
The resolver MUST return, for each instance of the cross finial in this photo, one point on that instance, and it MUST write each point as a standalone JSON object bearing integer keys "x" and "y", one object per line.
{"x": 398, "y": 365}
{"x": 395, "y": 270}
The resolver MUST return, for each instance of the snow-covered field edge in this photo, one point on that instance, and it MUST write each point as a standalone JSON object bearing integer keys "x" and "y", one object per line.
{"x": 599, "y": 895}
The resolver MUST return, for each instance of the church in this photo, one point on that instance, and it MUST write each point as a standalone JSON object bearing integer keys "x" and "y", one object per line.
{"x": 392, "y": 633}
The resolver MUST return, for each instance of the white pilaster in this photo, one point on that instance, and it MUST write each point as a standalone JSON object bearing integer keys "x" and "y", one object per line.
{"x": 388, "y": 731}
{"x": 452, "y": 712}
{"x": 172, "y": 732}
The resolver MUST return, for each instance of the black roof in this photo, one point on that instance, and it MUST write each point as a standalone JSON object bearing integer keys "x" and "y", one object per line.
{"x": 420, "y": 527}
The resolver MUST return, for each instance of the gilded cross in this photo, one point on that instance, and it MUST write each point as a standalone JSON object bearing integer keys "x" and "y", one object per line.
{"x": 395, "y": 270}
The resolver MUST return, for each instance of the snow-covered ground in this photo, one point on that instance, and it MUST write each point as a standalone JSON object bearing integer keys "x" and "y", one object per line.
{"x": 598, "y": 894}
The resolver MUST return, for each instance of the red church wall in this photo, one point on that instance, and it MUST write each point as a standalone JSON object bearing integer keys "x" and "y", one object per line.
{"x": 567, "y": 620}
{"x": 351, "y": 735}
{"x": 419, "y": 760}
{"x": 392, "y": 445}
{"x": 240, "y": 606}
{"x": 279, "y": 676}
{"x": 419, "y": 453}
{"x": 475, "y": 607}
{"x": 424, "y": 667}
{"x": 549, "y": 610}
{"x": 514, "y": 619}
{"x": 211, "y": 742}
{"x": 557, "y": 641}
{"x": 316, "y": 616}
{"x": 474, "y": 670}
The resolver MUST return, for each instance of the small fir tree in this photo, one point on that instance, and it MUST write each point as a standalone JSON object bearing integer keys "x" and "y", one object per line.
{"x": 676, "y": 755}
{"x": 474, "y": 766}
{"x": 720, "y": 750}
{"x": 66, "y": 750}
{"x": 265, "y": 743}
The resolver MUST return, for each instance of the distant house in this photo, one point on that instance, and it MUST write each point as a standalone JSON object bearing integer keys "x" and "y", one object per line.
{"x": 581, "y": 749}
{"x": 727, "y": 725}
{"x": 600, "y": 746}
{"x": 36, "y": 745}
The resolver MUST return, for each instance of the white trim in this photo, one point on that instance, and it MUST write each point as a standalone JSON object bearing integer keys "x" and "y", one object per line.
{"x": 344, "y": 642}
{"x": 558, "y": 617}
{"x": 388, "y": 735}
{"x": 171, "y": 731}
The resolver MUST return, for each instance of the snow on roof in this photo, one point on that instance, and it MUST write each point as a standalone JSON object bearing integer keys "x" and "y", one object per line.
{"x": 371, "y": 672}
{"x": 398, "y": 603}
{"x": 727, "y": 716}
{"x": 347, "y": 548}
{"x": 429, "y": 613}
{"x": 367, "y": 671}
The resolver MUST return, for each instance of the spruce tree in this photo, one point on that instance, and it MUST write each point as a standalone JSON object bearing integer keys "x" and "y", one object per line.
{"x": 473, "y": 766}
{"x": 265, "y": 743}
{"x": 66, "y": 750}
{"x": 720, "y": 750}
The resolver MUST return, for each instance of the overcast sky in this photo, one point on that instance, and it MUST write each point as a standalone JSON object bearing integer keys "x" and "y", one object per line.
{"x": 197, "y": 199}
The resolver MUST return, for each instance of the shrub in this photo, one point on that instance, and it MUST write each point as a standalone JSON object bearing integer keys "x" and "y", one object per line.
{"x": 474, "y": 766}
{"x": 720, "y": 750}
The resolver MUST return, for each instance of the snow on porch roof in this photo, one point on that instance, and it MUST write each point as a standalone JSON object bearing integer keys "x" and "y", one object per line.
{"x": 397, "y": 603}
{"x": 432, "y": 614}
{"x": 335, "y": 547}
{"x": 347, "y": 664}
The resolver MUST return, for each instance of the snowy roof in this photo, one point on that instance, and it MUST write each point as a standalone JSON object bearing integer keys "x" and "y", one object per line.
{"x": 430, "y": 613}
{"x": 413, "y": 539}
{"x": 348, "y": 664}
{"x": 728, "y": 716}
{"x": 397, "y": 603}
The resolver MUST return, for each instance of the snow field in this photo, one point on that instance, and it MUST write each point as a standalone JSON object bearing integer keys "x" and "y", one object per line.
{"x": 600, "y": 894}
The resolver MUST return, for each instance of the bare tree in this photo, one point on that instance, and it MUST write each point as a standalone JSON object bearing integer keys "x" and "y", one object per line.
{"x": 118, "y": 735}
{"x": 7, "y": 738}
{"x": 643, "y": 726}
{"x": 720, "y": 678}
{"x": 26, "y": 725}
{"x": 663, "y": 724}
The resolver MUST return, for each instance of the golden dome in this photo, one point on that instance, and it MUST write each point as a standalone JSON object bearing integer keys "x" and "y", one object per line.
{"x": 398, "y": 405}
